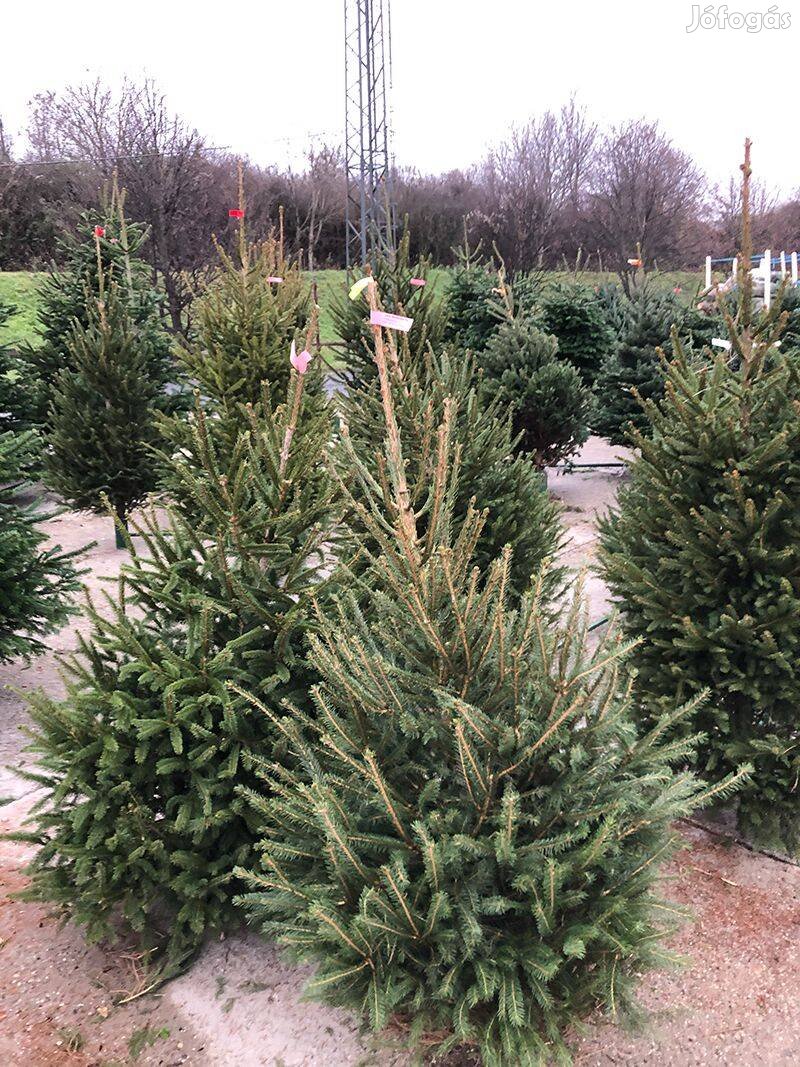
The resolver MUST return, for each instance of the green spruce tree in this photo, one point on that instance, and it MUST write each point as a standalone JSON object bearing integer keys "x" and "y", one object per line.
{"x": 790, "y": 307}
{"x": 575, "y": 317}
{"x": 473, "y": 312}
{"x": 141, "y": 822}
{"x": 251, "y": 310}
{"x": 106, "y": 245}
{"x": 464, "y": 836}
{"x": 703, "y": 554}
{"x": 17, "y": 405}
{"x": 397, "y": 277}
{"x": 698, "y": 329}
{"x": 36, "y": 582}
{"x": 549, "y": 404}
{"x": 508, "y": 485}
{"x": 245, "y": 319}
{"x": 634, "y": 369}
{"x": 102, "y": 433}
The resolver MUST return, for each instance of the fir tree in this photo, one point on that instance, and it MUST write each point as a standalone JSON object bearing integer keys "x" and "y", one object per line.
{"x": 474, "y": 313}
{"x": 140, "y": 762}
{"x": 471, "y": 315}
{"x": 252, "y": 308}
{"x": 574, "y": 316}
{"x": 103, "y": 426}
{"x": 35, "y": 582}
{"x": 509, "y": 486}
{"x": 699, "y": 329}
{"x": 703, "y": 553}
{"x": 464, "y": 835}
{"x": 247, "y": 316}
{"x": 109, "y": 247}
{"x": 790, "y": 307}
{"x": 634, "y": 369}
{"x": 396, "y": 277}
{"x": 549, "y": 404}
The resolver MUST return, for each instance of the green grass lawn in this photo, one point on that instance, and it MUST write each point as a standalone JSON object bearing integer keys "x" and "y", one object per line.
{"x": 20, "y": 288}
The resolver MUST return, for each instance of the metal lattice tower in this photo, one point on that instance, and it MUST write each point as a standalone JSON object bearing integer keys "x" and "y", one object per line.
{"x": 370, "y": 211}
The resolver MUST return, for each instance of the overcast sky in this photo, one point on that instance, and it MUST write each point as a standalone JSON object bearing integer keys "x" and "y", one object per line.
{"x": 263, "y": 77}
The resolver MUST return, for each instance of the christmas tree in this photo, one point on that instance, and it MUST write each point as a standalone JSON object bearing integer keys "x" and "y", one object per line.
{"x": 106, "y": 245}
{"x": 790, "y": 307}
{"x": 102, "y": 429}
{"x": 464, "y": 835}
{"x": 549, "y": 404}
{"x": 698, "y": 328}
{"x": 474, "y": 313}
{"x": 509, "y": 486}
{"x": 253, "y": 306}
{"x": 408, "y": 290}
{"x": 574, "y": 316}
{"x": 633, "y": 371}
{"x": 246, "y": 318}
{"x": 703, "y": 554}
{"x": 35, "y": 582}
{"x": 140, "y": 763}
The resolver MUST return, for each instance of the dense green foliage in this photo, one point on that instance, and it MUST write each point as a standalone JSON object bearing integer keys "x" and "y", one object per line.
{"x": 471, "y": 307}
{"x": 62, "y": 301}
{"x": 464, "y": 835}
{"x": 549, "y": 404}
{"x": 35, "y": 582}
{"x": 508, "y": 486}
{"x": 633, "y": 371}
{"x": 699, "y": 329}
{"x": 790, "y": 306}
{"x": 102, "y": 418}
{"x": 703, "y": 554}
{"x": 393, "y": 275}
{"x": 574, "y": 315}
{"x": 245, "y": 323}
{"x": 142, "y": 759}
{"x": 475, "y": 308}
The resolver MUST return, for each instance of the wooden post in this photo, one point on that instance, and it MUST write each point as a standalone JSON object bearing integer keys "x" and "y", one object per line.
{"x": 735, "y": 267}
{"x": 767, "y": 279}
{"x": 315, "y": 301}
{"x": 794, "y": 268}
{"x": 708, "y": 272}
{"x": 783, "y": 264}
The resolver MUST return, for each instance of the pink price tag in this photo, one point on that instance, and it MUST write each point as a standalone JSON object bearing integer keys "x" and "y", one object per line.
{"x": 417, "y": 282}
{"x": 390, "y": 322}
{"x": 274, "y": 280}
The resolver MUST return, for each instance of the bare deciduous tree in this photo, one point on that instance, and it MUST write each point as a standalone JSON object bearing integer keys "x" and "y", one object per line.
{"x": 437, "y": 206}
{"x": 643, "y": 191}
{"x": 763, "y": 206}
{"x": 533, "y": 178}
{"x": 166, "y": 167}
{"x": 316, "y": 200}
{"x": 552, "y": 188}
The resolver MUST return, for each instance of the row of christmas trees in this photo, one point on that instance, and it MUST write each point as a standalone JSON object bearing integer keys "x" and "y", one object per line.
{"x": 341, "y": 690}
{"x": 94, "y": 415}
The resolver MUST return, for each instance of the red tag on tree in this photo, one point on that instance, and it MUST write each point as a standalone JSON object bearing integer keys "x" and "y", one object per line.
{"x": 236, "y": 213}
{"x": 99, "y": 231}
